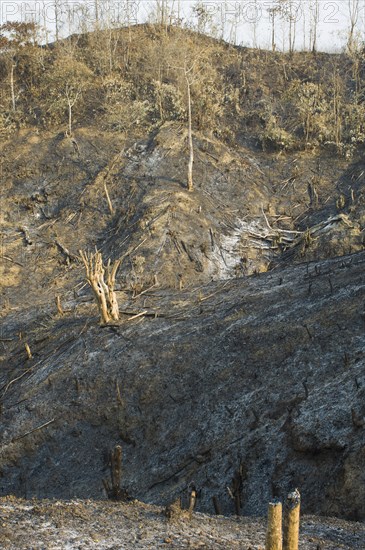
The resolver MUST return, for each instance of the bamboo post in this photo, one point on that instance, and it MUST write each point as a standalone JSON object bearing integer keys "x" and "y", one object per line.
{"x": 274, "y": 532}
{"x": 291, "y": 521}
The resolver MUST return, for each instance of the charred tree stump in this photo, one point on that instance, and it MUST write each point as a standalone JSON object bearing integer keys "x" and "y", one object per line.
{"x": 291, "y": 521}
{"x": 216, "y": 505}
{"x": 236, "y": 489}
{"x": 114, "y": 491}
{"x": 274, "y": 532}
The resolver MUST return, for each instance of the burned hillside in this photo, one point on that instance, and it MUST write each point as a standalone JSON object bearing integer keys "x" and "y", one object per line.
{"x": 240, "y": 344}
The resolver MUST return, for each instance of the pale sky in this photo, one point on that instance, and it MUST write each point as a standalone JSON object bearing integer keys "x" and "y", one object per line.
{"x": 252, "y": 27}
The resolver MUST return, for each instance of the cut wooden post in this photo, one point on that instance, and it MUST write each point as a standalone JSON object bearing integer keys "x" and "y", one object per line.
{"x": 274, "y": 533}
{"x": 291, "y": 521}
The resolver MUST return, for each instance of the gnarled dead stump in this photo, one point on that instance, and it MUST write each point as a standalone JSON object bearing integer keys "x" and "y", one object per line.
{"x": 103, "y": 290}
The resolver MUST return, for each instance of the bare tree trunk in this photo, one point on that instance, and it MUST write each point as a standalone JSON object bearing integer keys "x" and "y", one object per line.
{"x": 159, "y": 94}
{"x": 13, "y": 102}
{"x": 336, "y": 106}
{"x": 354, "y": 12}
{"x": 44, "y": 11}
{"x": 290, "y": 28}
{"x": 293, "y": 22}
{"x": 57, "y": 21}
{"x": 314, "y": 25}
{"x": 161, "y": 12}
{"x": 307, "y": 129}
{"x": 72, "y": 97}
{"x": 273, "y": 11}
{"x": 273, "y": 45}
{"x": 190, "y": 139}
{"x": 254, "y": 26}
{"x": 69, "y": 117}
{"x": 96, "y": 13}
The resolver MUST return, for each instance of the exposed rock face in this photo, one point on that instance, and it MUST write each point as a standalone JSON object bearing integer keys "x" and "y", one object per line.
{"x": 258, "y": 379}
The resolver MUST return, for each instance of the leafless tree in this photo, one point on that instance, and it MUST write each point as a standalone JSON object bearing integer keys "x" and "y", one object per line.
{"x": 292, "y": 10}
{"x": 254, "y": 21}
{"x": 354, "y": 13}
{"x": 190, "y": 134}
{"x": 205, "y": 21}
{"x": 58, "y": 18}
{"x": 103, "y": 290}
{"x": 72, "y": 95}
{"x": 314, "y": 20}
{"x": 15, "y": 38}
{"x": 191, "y": 72}
{"x": 274, "y": 12}
{"x": 337, "y": 101}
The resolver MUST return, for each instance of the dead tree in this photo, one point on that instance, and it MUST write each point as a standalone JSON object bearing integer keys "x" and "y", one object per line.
{"x": 191, "y": 73}
{"x": 190, "y": 135}
{"x": 103, "y": 290}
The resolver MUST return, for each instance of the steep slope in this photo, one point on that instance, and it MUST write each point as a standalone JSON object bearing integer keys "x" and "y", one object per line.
{"x": 263, "y": 376}
{"x": 249, "y": 210}
{"x": 232, "y": 366}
